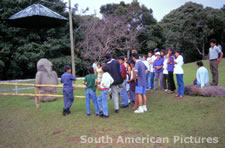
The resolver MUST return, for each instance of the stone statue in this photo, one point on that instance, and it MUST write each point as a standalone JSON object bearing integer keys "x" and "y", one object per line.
{"x": 45, "y": 75}
{"x": 209, "y": 91}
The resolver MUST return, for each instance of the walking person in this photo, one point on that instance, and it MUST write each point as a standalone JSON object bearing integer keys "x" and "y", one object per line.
{"x": 215, "y": 56}
{"x": 178, "y": 70}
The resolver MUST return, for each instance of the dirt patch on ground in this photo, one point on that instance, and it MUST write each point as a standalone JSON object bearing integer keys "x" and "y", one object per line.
{"x": 74, "y": 139}
{"x": 57, "y": 132}
{"x": 126, "y": 133}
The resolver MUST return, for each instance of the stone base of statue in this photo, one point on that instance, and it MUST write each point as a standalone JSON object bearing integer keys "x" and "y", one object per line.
{"x": 46, "y": 98}
{"x": 209, "y": 91}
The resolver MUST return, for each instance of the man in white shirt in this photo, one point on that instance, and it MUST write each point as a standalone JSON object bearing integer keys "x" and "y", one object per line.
{"x": 214, "y": 60}
{"x": 178, "y": 70}
{"x": 202, "y": 75}
{"x": 151, "y": 59}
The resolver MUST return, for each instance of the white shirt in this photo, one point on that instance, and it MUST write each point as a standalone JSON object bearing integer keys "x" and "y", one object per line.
{"x": 152, "y": 59}
{"x": 202, "y": 76}
{"x": 214, "y": 52}
{"x": 106, "y": 81}
{"x": 178, "y": 66}
{"x": 147, "y": 65}
{"x": 94, "y": 65}
{"x": 165, "y": 71}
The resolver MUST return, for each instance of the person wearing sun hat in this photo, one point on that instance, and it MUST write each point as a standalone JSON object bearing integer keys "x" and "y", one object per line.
{"x": 158, "y": 65}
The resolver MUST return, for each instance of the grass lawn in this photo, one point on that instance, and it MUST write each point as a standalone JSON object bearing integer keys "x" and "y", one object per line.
{"x": 22, "y": 126}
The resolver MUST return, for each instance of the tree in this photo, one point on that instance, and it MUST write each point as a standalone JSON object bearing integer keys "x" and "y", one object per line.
{"x": 190, "y": 28}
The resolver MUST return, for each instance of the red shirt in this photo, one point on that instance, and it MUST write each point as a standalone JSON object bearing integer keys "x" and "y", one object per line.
{"x": 124, "y": 72}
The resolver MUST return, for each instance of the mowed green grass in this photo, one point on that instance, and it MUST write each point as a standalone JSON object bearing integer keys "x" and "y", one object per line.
{"x": 22, "y": 126}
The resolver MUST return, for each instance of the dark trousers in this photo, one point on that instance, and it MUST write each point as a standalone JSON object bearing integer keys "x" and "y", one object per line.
{"x": 214, "y": 71}
{"x": 171, "y": 84}
{"x": 165, "y": 81}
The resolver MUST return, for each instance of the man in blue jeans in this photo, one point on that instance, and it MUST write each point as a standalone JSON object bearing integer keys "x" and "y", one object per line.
{"x": 67, "y": 79}
{"x": 90, "y": 82}
{"x": 178, "y": 70}
{"x": 123, "y": 92}
{"x": 151, "y": 59}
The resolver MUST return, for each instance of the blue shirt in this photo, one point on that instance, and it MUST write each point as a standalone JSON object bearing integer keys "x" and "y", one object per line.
{"x": 140, "y": 68}
{"x": 158, "y": 62}
{"x": 170, "y": 65}
{"x": 67, "y": 79}
{"x": 202, "y": 76}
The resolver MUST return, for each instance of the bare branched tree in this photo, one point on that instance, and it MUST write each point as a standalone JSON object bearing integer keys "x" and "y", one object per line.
{"x": 107, "y": 36}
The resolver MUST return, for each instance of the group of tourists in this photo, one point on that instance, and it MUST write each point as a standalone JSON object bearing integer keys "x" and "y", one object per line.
{"x": 131, "y": 79}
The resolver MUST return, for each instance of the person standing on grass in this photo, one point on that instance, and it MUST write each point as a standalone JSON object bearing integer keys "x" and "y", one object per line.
{"x": 178, "y": 70}
{"x": 215, "y": 56}
{"x": 165, "y": 73}
{"x": 158, "y": 65}
{"x": 94, "y": 65}
{"x": 202, "y": 75}
{"x": 123, "y": 92}
{"x": 152, "y": 69}
{"x": 98, "y": 72}
{"x": 144, "y": 60}
{"x": 170, "y": 67}
{"x": 106, "y": 82}
{"x": 67, "y": 79}
{"x": 140, "y": 89}
{"x": 149, "y": 58}
{"x": 117, "y": 86}
{"x": 91, "y": 82}
{"x": 129, "y": 92}
{"x": 132, "y": 82}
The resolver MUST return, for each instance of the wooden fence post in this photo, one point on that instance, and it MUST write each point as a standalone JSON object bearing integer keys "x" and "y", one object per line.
{"x": 37, "y": 100}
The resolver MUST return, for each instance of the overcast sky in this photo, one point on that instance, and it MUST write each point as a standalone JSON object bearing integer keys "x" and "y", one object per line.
{"x": 160, "y": 7}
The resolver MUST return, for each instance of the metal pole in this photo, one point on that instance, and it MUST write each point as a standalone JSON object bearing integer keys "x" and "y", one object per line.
{"x": 71, "y": 39}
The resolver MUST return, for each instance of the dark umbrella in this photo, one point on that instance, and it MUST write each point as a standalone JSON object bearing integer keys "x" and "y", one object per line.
{"x": 36, "y": 16}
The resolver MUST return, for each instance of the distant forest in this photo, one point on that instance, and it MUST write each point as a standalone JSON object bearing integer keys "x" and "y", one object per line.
{"x": 123, "y": 27}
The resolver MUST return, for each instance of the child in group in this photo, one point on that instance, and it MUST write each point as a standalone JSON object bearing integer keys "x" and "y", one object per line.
{"x": 91, "y": 82}
{"x": 67, "y": 79}
{"x": 178, "y": 70}
{"x": 106, "y": 82}
{"x": 132, "y": 84}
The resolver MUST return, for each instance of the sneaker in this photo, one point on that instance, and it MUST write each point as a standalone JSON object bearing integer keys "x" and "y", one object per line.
{"x": 139, "y": 110}
{"x": 100, "y": 113}
{"x": 144, "y": 107}
{"x": 166, "y": 90}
